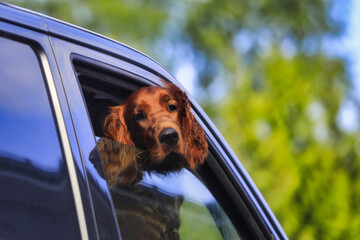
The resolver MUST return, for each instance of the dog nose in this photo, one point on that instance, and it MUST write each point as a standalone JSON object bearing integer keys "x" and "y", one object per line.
{"x": 169, "y": 136}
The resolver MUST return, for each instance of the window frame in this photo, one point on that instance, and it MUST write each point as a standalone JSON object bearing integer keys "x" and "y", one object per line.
{"x": 227, "y": 179}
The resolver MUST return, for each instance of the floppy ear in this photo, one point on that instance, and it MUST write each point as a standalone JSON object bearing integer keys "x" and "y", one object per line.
{"x": 197, "y": 144}
{"x": 114, "y": 127}
{"x": 194, "y": 136}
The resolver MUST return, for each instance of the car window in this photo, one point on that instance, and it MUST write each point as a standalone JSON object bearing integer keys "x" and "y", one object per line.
{"x": 200, "y": 214}
{"x": 175, "y": 206}
{"x": 160, "y": 206}
{"x": 36, "y": 200}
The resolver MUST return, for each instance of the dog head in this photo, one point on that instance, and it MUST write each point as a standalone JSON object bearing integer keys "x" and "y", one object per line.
{"x": 158, "y": 120}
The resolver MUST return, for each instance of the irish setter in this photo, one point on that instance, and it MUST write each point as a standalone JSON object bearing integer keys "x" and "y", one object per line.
{"x": 158, "y": 124}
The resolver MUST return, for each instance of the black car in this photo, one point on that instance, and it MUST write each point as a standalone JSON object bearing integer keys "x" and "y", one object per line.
{"x": 56, "y": 81}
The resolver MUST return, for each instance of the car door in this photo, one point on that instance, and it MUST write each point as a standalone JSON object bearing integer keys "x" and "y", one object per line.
{"x": 41, "y": 194}
{"x": 218, "y": 201}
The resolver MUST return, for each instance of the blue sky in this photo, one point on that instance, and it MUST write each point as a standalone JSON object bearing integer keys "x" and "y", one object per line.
{"x": 348, "y": 46}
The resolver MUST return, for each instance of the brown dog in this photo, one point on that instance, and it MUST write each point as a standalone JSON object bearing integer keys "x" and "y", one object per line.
{"x": 158, "y": 121}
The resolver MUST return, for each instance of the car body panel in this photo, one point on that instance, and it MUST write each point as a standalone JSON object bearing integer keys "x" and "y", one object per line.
{"x": 41, "y": 47}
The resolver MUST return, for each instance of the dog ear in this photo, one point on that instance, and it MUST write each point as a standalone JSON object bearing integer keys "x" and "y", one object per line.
{"x": 197, "y": 146}
{"x": 194, "y": 136}
{"x": 115, "y": 128}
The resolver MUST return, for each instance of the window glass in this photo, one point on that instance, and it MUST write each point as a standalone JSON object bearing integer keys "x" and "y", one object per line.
{"x": 165, "y": 206}
{"x": 201, "y": 216}
{"x": 36, "y": 201}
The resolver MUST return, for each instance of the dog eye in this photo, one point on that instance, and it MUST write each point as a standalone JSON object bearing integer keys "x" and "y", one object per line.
{"x": 172, "y": 107}
{"x": 140, "y": 116}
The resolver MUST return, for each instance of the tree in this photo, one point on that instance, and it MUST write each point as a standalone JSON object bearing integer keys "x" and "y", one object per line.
{"x": 280, "y": 109}
{"x": 283, "y": 128}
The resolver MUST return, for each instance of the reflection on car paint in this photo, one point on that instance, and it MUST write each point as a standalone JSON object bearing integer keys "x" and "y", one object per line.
{"x": 36, "y": 200}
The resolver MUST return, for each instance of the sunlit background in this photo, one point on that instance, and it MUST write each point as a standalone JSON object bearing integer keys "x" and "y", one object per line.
{"x": 279, "y": 78}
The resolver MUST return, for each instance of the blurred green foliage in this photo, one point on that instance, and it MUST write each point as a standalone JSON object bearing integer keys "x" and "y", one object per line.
{"x": 281, "y": 106}
{"x": 281, "y": 93}
{"x": 197, "y": 223}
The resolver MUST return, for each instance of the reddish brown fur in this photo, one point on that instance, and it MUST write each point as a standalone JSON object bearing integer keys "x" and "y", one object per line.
{"x": 122, "y": 125}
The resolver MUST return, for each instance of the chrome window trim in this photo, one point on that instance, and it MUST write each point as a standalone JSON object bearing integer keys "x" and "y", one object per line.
{"x": 64, "y": 139}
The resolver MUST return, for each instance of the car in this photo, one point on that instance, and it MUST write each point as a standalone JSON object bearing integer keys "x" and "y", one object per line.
{"x": 56, "y": 82}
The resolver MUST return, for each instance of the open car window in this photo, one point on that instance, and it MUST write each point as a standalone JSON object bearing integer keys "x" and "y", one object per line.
{"x": 161, "y": 206}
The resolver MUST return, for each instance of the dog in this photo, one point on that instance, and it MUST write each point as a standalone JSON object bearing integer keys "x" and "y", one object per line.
{"x": 152, "y": 130}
